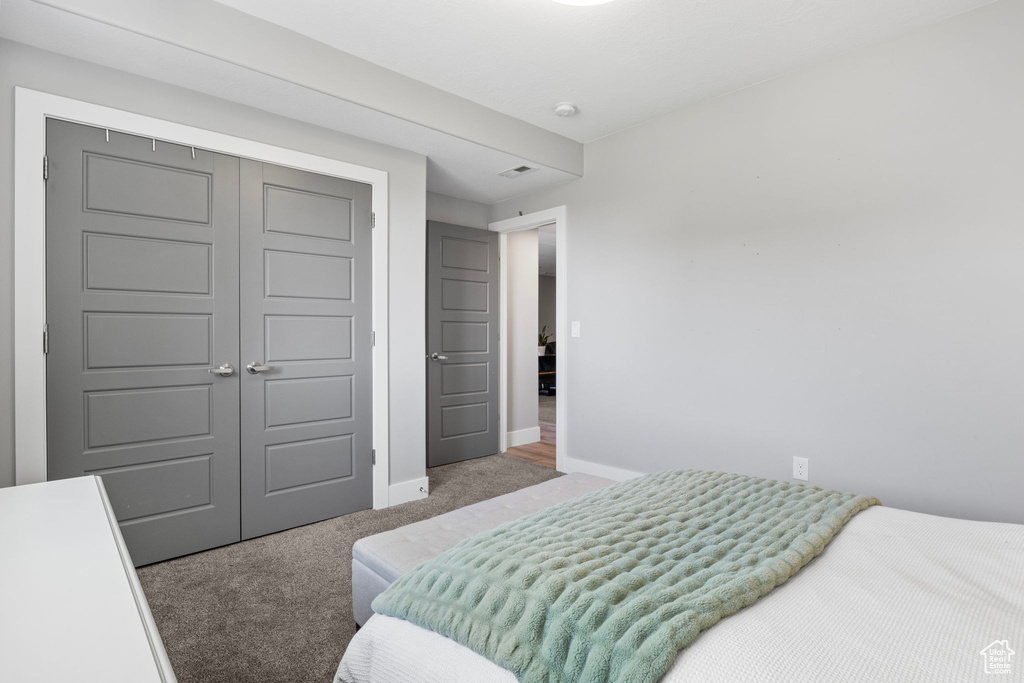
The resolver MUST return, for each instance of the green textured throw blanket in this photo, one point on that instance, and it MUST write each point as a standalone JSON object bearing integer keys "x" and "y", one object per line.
{"x": 610, "y": 586}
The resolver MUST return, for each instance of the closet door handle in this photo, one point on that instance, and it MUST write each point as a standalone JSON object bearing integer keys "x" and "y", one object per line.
{"x": 256, "y": 367}
{"x": 225, "y": 370}
{"x": 436, "y": 356}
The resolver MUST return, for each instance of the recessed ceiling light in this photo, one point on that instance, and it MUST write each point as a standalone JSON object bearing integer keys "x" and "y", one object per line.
{"x": 566, "y": 109}
{"x": 582, "y": 2}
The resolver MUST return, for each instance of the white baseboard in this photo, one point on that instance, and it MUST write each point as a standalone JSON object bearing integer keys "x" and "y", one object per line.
{"x": 598, "y": 470}
{"x": 522, "y": 437}
{"x": 406, "y": 491}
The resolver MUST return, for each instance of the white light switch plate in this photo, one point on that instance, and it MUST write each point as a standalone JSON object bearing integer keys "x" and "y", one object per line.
{"x": 575, "y": 328}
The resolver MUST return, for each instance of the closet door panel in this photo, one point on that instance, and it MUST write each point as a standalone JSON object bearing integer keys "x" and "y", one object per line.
{"x": 306, "y": 328}
{"x": 142, "y": 301}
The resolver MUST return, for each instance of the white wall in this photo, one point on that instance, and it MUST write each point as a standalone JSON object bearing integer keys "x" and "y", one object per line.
{"x": 546, "y": 304}
{"x": 521, "y": 264}
{"x": 827, "y": 265}
{"x": 40, "y": 70}
{"x": 456, "y": 211}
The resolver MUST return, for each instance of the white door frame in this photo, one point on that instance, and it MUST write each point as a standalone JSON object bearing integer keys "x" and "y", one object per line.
{"x": 31, "y": 109}
{"x": 556, "y": 215}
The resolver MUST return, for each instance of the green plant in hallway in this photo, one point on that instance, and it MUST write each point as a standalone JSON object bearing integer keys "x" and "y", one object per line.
{"x": 542, "y": 340}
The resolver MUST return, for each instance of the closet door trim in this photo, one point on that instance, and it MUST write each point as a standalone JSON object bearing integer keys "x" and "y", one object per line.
{"x": 32, "y": 108}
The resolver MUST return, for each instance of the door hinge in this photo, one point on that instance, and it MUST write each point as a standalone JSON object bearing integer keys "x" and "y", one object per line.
{"x": 46, "y": 167}
{"x": 46, "y": 339}
{"x": 373, "y": 219}
{"x": 373, "y": 456}
{"x": 373, "y": 338}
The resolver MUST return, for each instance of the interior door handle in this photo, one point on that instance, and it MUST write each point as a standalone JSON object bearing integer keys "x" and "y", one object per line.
{"x": 435, "y": 356}
{"x": 256, "y": 367}
{"x": 225, "y": 370}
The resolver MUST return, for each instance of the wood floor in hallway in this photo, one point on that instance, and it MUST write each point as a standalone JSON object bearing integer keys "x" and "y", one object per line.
{"x": 541, "y": 452}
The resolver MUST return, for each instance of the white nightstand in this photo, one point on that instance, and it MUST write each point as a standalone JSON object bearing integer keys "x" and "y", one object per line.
{"x": 71, "y": 606}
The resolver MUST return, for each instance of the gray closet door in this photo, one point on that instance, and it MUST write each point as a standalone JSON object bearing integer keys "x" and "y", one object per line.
{"x": 462, "y": 343}
{"x": 142, "y": 300}
{"x": 306, "y": 332}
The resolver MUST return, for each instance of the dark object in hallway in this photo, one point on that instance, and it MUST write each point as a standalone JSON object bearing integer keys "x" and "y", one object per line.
{"x": 546, "y": 372}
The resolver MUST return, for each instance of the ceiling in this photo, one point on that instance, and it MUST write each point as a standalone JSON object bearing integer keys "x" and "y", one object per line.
{"x": 456, "y": 167}
{"x": 470, "y": 84}
{"x": 622, "y": 62}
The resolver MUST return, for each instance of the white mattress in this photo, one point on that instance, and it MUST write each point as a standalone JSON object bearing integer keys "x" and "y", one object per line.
{"x": 897, "y": 596}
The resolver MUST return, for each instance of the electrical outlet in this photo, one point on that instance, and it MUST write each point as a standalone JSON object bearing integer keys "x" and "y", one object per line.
{"x": 800, "y": 469}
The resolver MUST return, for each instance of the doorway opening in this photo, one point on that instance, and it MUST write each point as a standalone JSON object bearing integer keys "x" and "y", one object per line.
{"x": 547, "y": 341}
{"x": 531, "y": 315}
{"x": 532, "y": 222}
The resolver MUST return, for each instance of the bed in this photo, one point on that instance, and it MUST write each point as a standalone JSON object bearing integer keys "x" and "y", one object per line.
{"x": 380, "y": 559}
{"x": 896, "y": 596}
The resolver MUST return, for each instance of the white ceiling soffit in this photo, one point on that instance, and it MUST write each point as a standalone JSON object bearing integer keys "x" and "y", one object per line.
{"x": 456, "y": 167}
{"x": 216, "y": 30}
{"x": 622, "y": 62}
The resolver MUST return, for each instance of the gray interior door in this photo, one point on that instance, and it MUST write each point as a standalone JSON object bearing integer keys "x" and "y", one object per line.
{"x": 142, "y": 301}
{"x": 306, "y": 336}
{"x": 462, "y": 343}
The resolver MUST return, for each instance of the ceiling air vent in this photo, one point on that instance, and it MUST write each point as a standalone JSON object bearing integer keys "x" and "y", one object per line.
{"x": 517, "y": 171}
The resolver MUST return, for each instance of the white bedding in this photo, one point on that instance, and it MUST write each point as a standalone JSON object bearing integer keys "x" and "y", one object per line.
{"x": 897, "y": 596}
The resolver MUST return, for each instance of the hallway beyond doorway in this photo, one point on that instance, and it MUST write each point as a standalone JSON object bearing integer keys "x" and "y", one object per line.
{"x": 546, "y": 408}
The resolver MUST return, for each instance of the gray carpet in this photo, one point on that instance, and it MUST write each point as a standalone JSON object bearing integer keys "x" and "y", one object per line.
{"x": 546, "y": 408}
{"x": 279, "y": 608}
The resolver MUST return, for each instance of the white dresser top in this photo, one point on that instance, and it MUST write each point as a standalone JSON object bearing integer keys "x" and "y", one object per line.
{"x": 71, "y": 607}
